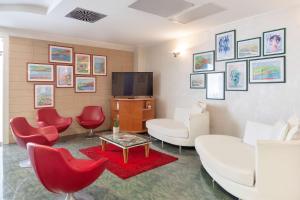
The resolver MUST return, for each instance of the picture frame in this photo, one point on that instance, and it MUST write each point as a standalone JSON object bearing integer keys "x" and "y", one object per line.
{"x": 197, "y": 81}
{"x": 44, "y": 96}
{"x": 267, "y": 70}
{"x": 274, "y": 42}
{"x": 60, "y": 54}
{"x": 85, "y": 84}
{"x": 99, "y": 65}
{"x": 82, "y": 64}
{"x": 237, "y": 75}
{"x": 64, "y": 76}
{"x": 215, "y": 85}
{"x": 249, "y": 48}
{"x": 39, "y": 72}
{"x": 225, "y": 43}
{"x": 204, "y": 61}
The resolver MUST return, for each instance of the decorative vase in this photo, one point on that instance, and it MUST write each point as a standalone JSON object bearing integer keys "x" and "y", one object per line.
{"x": 116, "y": 130}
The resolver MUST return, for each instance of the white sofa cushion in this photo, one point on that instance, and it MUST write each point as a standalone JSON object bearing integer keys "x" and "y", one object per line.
{"x": 228, "y": 157}
{"x": 293, "y": 134}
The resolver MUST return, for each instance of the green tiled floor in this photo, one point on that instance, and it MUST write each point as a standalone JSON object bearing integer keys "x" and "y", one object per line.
{"x": 184, "y": 179}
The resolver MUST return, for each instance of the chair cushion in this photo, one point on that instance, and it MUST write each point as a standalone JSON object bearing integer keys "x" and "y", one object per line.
{"x": 168, "y": 127}
{"x": 228, "y": 157}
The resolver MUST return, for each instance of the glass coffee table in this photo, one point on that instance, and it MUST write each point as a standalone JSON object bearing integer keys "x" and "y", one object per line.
{"x": 125, "y": 141}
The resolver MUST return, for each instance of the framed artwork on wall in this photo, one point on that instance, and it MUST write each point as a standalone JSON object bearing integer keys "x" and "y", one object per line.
{"x": 237, "y": 76}
{"x": 197, "y": 81}
{"x": 43, "y": 96}
{"x": 225, "y": 45}
{"x": 204, "y": 61}
{"x": 215, "y": 85}
{"x": 85, "y": 84}
{"x": 249, "y": 48}
{"x": 64, "y": 76}
{"x": 99, "y": 65}
{"x": 267, "y": 70}
{"x": 40, "y": 72}
{"x": 82, "y": 64}
{"x": 59, "y": 54}
{"x": 274, "y": 42}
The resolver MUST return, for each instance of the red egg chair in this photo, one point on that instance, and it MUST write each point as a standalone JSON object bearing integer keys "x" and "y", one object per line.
{"x": 90, "y": 118}
{"x": 24, "y": 133}
{"x": 49, "y": 116}
{"x": 60, "y": 172}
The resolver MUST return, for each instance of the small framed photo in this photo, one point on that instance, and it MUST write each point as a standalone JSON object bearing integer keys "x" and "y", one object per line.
{"x": 225, "y": 45}
{"x": 82, "y": 64}
{"x": 267, "y": 70}
{"x": 99, "y": 65}
{"x": 274, "y": 42}
{"x": 237, "y": 76}
{"x": 43, "y": 96}
{"x": 215, "y": 85}
{"x": 40, "y": 72}
{"x": 85, "y": 84}
{"x": 197, "y": 81}
{"x": 64, "y": 76}
{"x": 59, "y": 54}
{"x": 204, "y": 61}
{"x": 249, "y": 48}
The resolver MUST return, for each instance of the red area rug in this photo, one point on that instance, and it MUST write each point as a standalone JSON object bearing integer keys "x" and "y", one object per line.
{"x": 137, "y": 162}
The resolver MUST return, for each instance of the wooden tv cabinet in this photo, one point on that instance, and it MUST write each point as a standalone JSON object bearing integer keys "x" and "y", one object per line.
{"x": 132, "y": 113}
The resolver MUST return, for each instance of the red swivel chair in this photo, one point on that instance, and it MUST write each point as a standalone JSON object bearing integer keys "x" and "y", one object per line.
{"x": 60, "y": 172}
{"x": 24, "y": 133}
{"x": 90, "y": 118}
{"x": 49, "y": 116}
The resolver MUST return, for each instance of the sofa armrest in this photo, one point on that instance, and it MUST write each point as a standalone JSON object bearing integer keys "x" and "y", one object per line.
{"x": 198, "y": 124}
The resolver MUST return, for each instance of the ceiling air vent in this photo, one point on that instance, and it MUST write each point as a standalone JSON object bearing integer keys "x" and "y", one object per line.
{"x": 85, "y": 15}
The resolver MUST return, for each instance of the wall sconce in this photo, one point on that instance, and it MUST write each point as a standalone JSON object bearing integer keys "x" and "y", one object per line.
{"x": 176, "y": 54}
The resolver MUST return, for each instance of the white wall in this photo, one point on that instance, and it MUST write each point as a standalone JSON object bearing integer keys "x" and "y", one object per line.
{"x": 263, "y": 102}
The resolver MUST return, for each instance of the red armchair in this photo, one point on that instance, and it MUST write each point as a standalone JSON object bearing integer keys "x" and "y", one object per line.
{"x": 24, "y": 133}
{"x": 49, "y": 116}
{"x": 60, "y": 172}
{"x": 90, "y": 118}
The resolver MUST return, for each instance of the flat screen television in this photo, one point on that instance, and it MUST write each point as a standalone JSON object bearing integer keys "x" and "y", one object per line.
{"x": 131, "y": 84}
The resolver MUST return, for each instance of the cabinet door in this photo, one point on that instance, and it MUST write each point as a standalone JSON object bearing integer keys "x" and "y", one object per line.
{"x": 131, "y": 115}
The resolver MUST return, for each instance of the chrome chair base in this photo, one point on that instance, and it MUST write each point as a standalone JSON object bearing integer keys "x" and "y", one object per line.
{"x": 91, "y": 134}
{"x": 79, "y": 196}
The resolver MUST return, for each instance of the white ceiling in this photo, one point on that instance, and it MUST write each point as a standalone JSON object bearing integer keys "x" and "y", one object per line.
{"x": 123, "y": 25}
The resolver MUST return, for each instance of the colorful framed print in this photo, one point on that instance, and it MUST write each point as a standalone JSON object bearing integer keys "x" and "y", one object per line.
{"x": 237, "y": 76}
{"x": 85, "y": 84}
{"x": 43, "y": 96}
{"x": 215, "y": 85}
{"x": 197, "y": 81}
{"x": 99, "y": 65}
{"x": 274, "y": 42}
{"x": 64, "y": 76}
{"x": 204, "y": 61}
{"x": 249, "y": 48}
{"x": 40, "y": 72}
{"x": 82, "y": 64}
{"x": 59, "y": 54}
{"x": 267, "y": 70}
{"x": 225, "y": 45}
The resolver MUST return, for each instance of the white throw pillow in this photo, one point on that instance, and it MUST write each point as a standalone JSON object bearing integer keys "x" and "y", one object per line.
{"x": 280, "y": 130}
{"x": 293, "y": 121}
{"x": 199, "y": 107}
{"x": 293, "y": 134}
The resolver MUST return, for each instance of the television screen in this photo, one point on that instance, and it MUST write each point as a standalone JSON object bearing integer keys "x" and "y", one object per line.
{"x": 132, "y": 84}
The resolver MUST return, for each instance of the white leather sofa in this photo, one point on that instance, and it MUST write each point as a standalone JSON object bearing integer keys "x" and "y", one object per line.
{"x": 261, "y": 166}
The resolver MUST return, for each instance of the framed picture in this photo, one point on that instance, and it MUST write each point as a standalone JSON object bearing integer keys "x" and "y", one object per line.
{"x": 237, "y": 76}
{"x": 64, "y": 76}
{"x": 99, "y": 65}
{"x": 59, "y": 54}
{"x": 274, "y": 42}
{"x": 267, "y": 70}
{"x": 43, "y": 96}
{"x": 249, "y": 48}
{"x": 225, "y": 45}
{"x": 204, "y": 61}
{"x": 40, "y": 72}
{"x": 197, "y": 81}
{"x": 82, "y": 64}
{"x": 85, "y": 84}
{"x": 215, "y": 85}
